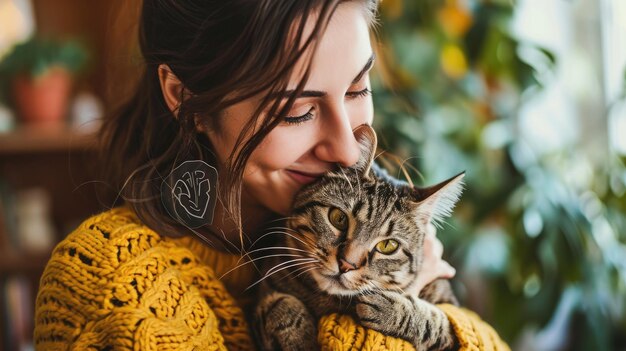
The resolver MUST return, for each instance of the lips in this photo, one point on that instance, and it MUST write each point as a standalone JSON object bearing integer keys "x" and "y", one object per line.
{"x": 303, "y": 177}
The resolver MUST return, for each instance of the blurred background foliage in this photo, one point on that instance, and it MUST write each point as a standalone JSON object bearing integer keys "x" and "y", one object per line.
{"x": 539, "y": 239}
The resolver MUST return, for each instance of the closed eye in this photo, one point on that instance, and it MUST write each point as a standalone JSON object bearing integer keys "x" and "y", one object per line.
{"x": 357, "y": 94}
{"x": 300, "y": 119}
{"x": 294, "y": 120}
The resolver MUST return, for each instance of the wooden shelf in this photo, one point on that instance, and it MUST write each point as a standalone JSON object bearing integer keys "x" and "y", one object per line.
{"x": 46, "y": 139}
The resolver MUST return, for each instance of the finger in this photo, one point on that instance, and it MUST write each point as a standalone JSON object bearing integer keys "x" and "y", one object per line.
{"x": 437, "y": 248}
{"x": 446, "y": 271}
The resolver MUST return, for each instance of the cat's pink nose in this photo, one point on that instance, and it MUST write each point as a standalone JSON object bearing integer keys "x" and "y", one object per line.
{"x": 346, "y": 266}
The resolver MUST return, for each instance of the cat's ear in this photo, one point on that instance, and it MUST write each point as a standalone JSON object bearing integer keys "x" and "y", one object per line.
{"x": 366, "y": 137}
{"x": 436, "y": 202}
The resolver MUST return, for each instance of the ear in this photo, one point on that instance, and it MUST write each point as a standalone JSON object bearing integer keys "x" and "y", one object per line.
{"x": 366, "y": 137}
{"x": 435, "y": 203}
{"x": 171, "y": 87}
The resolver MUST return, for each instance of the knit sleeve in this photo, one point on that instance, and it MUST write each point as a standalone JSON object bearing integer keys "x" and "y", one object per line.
{"x": 113, "y": 284}
{"x": 472, "y": 332}
{"x": 338, "y": 332}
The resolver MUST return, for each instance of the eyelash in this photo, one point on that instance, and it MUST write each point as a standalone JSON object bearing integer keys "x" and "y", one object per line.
{"x": 307, "y": 116}
{"x": 361, "y": 93}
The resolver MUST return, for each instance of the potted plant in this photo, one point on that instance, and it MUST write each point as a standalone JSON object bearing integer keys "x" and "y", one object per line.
{"x": 36, "y": 78}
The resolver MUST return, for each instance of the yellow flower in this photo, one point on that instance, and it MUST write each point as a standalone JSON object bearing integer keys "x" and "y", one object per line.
{"x": 453, "y": 61}
{"x": 454, "y": 18}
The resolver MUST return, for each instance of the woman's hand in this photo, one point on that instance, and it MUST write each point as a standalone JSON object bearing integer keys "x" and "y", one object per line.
{"x": 433, "y": 267}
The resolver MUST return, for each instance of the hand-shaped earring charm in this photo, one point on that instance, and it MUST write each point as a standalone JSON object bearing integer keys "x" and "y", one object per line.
{"x": 189, "y": 193}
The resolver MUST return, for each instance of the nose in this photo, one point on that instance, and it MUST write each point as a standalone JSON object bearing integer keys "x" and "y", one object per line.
{"x": 338, "y": 144}
{"x": 346, "y": 266}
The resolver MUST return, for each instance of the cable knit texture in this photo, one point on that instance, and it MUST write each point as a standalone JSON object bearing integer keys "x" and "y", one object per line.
{"x": 473, "y": 333}
{"x": 115, "y": 284}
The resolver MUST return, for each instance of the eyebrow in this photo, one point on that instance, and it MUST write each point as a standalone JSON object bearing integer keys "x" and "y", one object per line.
{"x": 317, "y": 93}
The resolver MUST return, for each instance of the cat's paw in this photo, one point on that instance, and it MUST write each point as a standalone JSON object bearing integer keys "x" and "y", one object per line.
{"x": 283, "y": 322}
{"x": 414, "y": 320}
{"x": 378, "y": 311}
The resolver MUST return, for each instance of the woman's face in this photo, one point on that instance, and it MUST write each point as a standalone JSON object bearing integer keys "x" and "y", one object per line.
{"x": 318, "y": 132}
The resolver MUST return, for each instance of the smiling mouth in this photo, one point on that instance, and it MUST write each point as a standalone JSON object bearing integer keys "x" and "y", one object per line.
{"x": 303, "y": 177}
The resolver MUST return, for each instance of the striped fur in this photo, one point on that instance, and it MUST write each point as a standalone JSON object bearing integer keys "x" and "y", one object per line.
{"x": 342, "y": 271}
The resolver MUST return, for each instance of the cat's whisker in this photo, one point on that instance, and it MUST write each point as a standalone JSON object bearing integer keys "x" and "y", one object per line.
{"x": 347, "y": 179}
{"x": 371, "y": 287}
{"x": 267, "y": 275}
{"x": 202, "y": 237}
{"x": 301, "y": 271}
{"x": 317, "y": 291}
{"x": 306, "y": 271}
{"x": 286, "y": 229}
{"x": 256, "y": 259}
{"x": 281, "y": 219}
{"x": 277, "y": 232}
{"x": 282, "y": 227}
{"x": 271, "y": 248}
{"x": 310, "y": 243}
{"x": 237, "y": 248}
{"x": 439, "y": 224}
{"x": 295, "y": 271}
{"x": 263, "y": 236}
{"x": 271, "y": 270}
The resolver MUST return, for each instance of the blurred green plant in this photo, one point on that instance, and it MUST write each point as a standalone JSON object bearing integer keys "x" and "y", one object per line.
{"x": 36, "y": 56}
{"x": 539, "y": 240}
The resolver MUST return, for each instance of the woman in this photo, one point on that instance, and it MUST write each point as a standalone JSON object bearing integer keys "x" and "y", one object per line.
{"x": 262, "y": 96}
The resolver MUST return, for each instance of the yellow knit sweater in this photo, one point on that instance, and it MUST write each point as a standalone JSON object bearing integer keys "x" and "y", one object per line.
{"x": 114, "y": 284}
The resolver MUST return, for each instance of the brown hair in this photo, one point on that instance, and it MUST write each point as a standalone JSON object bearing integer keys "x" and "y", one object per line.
{"x": 215, "y": 48}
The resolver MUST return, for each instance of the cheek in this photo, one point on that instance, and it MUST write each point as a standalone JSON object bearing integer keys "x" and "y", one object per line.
{"x": 282, "y": 147}
{"x": 222, "y": 143}
{"x": 231, "y": 124}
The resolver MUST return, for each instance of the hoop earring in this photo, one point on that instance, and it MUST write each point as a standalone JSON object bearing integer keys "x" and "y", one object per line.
{"x": 189, "y": 193}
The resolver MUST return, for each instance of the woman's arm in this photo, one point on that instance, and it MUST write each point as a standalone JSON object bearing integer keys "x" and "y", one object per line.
{"x": 115, "y": 284}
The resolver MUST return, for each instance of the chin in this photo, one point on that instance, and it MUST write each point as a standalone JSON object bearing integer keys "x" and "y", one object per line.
{"x": 334, "y": 286}
{"x": 284, "y": 208}
{"x": 276, "y": 201}
{"x": 281, "y": 201}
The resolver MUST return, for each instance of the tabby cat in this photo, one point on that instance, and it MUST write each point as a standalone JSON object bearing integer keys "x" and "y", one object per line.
{"x": 354, "y": 244}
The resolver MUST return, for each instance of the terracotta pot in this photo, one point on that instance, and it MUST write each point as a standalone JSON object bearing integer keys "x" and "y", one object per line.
{"x": 44, "y": 99}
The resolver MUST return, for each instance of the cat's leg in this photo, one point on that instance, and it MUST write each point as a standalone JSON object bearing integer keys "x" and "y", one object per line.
{"x": 417, "y": 321}
{"x": 439, "y": 291}
{"x": 284, "y": 323}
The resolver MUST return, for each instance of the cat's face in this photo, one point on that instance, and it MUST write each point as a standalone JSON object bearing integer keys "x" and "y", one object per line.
{"x": 365, "y": 233}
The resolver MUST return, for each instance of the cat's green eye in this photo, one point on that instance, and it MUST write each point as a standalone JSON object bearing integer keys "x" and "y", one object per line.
{"x": 338, "y": 218}
{"x": 387, "y": 247}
